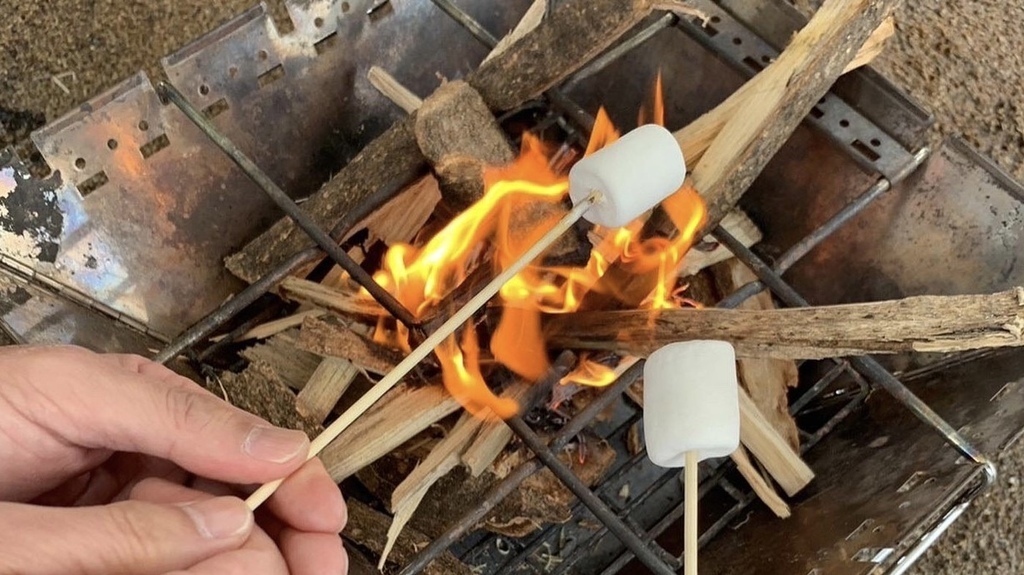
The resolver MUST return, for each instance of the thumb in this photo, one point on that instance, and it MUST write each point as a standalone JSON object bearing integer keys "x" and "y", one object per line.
{"x": 136, "y": 537}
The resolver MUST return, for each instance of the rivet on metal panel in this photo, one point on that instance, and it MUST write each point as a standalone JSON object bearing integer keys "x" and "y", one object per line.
{"x": 911, "y": 482}
{"x": 864, "y": 526}
{"x": 873, "y": 554}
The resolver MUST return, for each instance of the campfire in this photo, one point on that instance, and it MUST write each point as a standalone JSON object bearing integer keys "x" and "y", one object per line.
{"x": 565, "y": 336}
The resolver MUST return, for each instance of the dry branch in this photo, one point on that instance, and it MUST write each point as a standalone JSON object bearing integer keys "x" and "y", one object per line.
{"x": 400, "y": 414}
{"x": 731, "y": 144}
{"x": 576, "y": 31}
{"x": 329, "y": 335}
{"x": 771, "y": 449}
{"x": 325, "y": 387}
{"x": 921, "y": 323}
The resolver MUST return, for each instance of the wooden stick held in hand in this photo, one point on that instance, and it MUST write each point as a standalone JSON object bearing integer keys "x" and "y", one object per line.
{"x": 435, "y": 339}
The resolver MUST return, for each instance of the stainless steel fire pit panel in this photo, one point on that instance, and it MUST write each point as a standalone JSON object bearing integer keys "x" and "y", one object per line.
{"x": 955, "y": 226}
{"x": 143, "y": 208}
{"x": 881, "y": 478}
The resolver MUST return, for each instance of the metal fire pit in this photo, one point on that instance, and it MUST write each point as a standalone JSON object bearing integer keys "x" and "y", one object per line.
{"x": 121, "y": 248}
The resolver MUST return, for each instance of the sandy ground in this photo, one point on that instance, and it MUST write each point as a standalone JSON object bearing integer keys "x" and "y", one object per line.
{"x": 965, "y": 60}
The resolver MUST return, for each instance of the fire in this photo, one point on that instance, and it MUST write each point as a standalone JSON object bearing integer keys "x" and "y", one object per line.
{"x": 644, "y": 277}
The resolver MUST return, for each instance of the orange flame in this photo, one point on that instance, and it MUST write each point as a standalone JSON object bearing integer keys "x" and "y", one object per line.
{"x": 420, "y": 278}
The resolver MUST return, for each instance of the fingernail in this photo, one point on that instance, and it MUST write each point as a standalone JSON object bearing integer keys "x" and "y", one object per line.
{"x": 220, "y": 518}
{"x": 274, "y": 444}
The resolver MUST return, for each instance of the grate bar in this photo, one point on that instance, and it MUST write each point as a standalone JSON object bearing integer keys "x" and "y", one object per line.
{"x": 625, "y": 47}
{"x": 296, "y": 213}
{"x": 234, "y": 306}
{"x": 647, "y": 554}
{"x": 502, "y": 489}
{"x": 866, "y": 365}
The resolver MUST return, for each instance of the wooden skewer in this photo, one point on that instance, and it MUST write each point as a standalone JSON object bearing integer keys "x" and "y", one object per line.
{"x": 690, "y": 514}
{"x": 447, "y": 328}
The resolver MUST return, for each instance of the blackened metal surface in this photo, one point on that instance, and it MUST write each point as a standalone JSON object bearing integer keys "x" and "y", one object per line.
{"x": 149, "y": 208}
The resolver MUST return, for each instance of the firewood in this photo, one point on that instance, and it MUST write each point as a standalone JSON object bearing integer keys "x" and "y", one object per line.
{"x": 575, "y": 32}
{"x": 493, "y": 436}
{"x": 325, "y": 387}
{"x": 771, "y": 449}
{"x": 776, "y": 100}
{"x": 739, "y": 225}
{"x": 368, "y": 528}
{"x": 530, "y": 20}
{"x": 399, "y": 220}
{"x": 373, "y": 169}
{"x": 874, "y": 45}
{"x": 345, "y": 300}
{"x": 274, "y": 327}
{"x": 764, "y": 491}
{"x": 442, "y": 459}
{"x": 258, "y": 390}
{"x": 766, "y": 380}
{"x": 329, "y": 335}
{"x": 391, "y": 89}
{"x": 920, "y": 323}
{"x": 460, "y": 137}
{"x": 399, "y": 415}
{"x": 292, "y": 366}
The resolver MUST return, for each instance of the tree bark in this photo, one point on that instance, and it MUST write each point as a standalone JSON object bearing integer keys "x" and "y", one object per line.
{"x": 922, "y": 323}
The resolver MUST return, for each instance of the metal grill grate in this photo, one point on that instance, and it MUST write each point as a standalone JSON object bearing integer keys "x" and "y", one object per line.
{"x": 639, "y": 520}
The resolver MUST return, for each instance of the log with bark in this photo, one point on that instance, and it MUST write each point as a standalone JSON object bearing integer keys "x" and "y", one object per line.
{"x": 574, "y": 33}
{"x": 768, "y": 108}
{"x": 918, "y": 324}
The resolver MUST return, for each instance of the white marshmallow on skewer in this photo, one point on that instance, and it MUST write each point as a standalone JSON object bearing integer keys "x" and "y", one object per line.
{"x": 691, "y": 402}
{"x": 633, "y": 175}
{"x": 691, "y": 412}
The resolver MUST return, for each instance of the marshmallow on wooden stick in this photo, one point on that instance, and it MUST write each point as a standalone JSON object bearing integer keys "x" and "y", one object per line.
{"x": 633, "y": 175}
{"x": 691, "y": 402}
{"x": 691, "y": 413}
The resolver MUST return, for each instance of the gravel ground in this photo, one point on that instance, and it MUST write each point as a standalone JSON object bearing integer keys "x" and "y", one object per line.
{"x": 964, "y": 60}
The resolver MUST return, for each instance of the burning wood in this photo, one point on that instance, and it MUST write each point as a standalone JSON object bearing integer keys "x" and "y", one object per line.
{"x": 921, "y": 323}
{"x": 575, "y": 32}
{"x": 459, "y": 137}
{"x": 455, "y": 132}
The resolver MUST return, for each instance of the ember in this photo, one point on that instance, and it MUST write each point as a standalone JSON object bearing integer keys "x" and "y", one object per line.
{"x": 421, "y": 278}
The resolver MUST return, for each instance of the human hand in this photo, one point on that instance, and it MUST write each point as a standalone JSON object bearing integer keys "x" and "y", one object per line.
{"x": 95, "y": 451}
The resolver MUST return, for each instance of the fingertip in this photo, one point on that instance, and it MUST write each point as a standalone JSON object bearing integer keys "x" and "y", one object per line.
{"x": 309, "y": 500}
{"x": 313, "y": 553}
